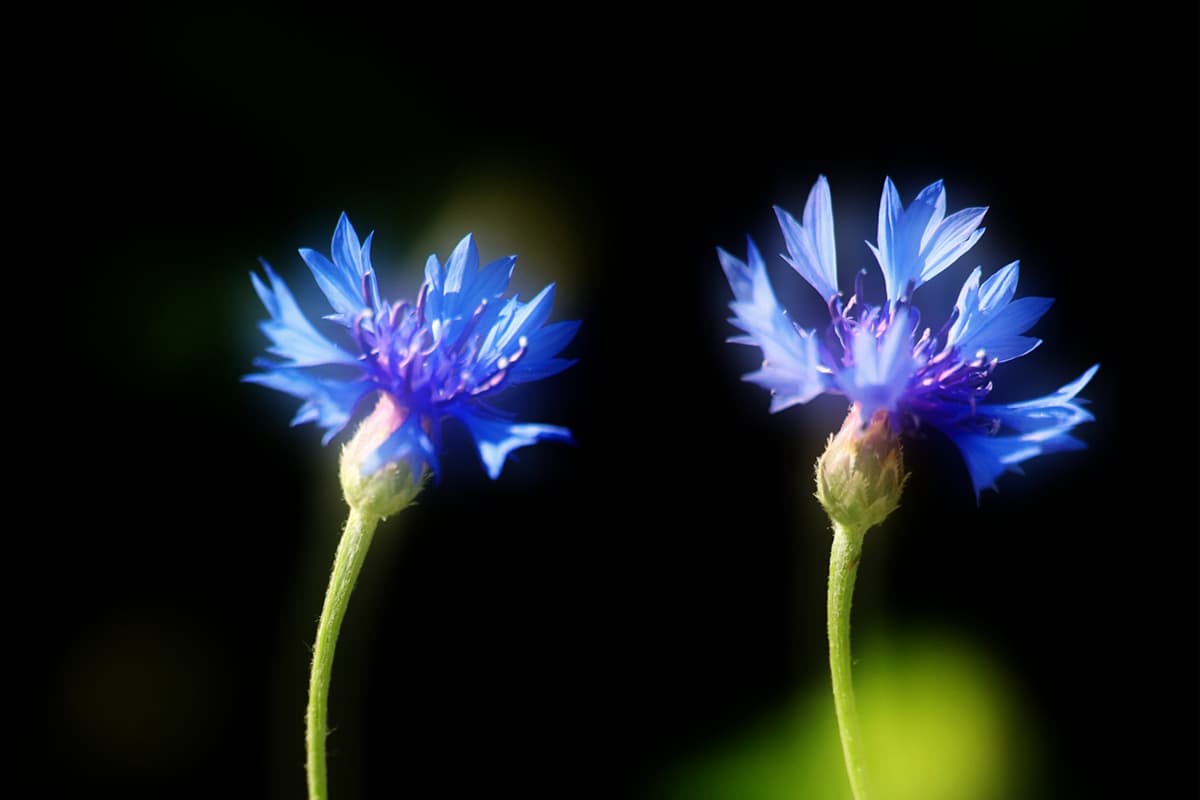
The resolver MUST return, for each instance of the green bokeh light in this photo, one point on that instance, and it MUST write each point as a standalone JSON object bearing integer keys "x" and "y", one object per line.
{"x": 941, "y": 722}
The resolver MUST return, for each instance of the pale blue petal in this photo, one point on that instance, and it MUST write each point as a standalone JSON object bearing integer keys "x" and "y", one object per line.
{"x": 369, "y": 270}
{"x": 812, "y": 251}
{"x": 1044, "y": 416}
{"x": 433, "y": 295}
{"x": 954, "y": 237}
{"x": 433, "y": 274}
{"x": 790, "y": 355}
{"x": 346, "y": 249}
{"x": 463, "y": 261}
{"x": 881, "y": 367}
{"x": 918, "y": 242}
{"x": 989, "y": 323}
{"x": 1001, "y": 288}
{"x": 293, "y": 337}
{"x": 343, "y": 294}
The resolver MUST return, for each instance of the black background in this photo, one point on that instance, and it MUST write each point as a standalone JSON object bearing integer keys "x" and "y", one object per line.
{"x": 601, "y": 609}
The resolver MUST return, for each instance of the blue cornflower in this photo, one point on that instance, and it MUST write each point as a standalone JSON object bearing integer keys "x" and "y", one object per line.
{"x": 445, "y": 355}
{"x": 880, "y": 358}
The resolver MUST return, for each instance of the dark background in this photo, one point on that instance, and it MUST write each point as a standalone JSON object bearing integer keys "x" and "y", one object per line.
{"x": 572, "y": 628}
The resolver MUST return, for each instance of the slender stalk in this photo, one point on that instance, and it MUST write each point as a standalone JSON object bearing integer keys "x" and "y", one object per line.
{"x": 351, "y": 552}
{"x": 843, "y": 568}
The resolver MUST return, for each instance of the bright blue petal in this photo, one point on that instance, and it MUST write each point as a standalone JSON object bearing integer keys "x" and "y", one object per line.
{"x": 345, "y": 298}
{"x": 451, "y": 307}
{"x": 790, "y": 355}
{"x": 918, "y": 242}
{"x": 811, "y": 248}
{"x": 544, "y": 344}
{"x": 989, "y": 324}
{"x": 1027, "y": 429}
{"x": 989, "y": 457}
{"x": 293, "y": 337}
{"x": 327, "y": 402}
{"x": 495, "y": 436}
{"x": 347, "y": 281}
{"x": 516, "y": 321}
{"x": 464, "y": 260}
{"x": 490, "y": 282}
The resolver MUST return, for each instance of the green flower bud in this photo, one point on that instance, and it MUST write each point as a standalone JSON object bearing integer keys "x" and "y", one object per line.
{"x": 860, "y": 476}
{"x": 392, "y": 487}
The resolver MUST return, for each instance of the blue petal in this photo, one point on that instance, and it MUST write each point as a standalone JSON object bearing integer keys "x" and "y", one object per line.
{"x": 917, "y": 243}
{"x": 433, "y": 274}
{"x": 517, "y": 320}
{"x": 538, "y": 361}
{"x": 490, "y": 282}
{"x": 345, "y": 248}
{"x": 989, "y": 457}
{"x": 293, "y": 337}
{"x": 989, "y": 323}
{"x": 345, "y": 299}
{"x": 369, "y": 270}
{"x": 327, "y": 402}
{"x": 495, "y": 436}
{"x": 953, "y": 237}
{"x": 1037, "y": 427}
{"x": 1045, "y": 416}
{"x": 882, "y": 366}
{"x": 463, "y": 261}
{"x": 343, "y": 279}
{"x": 433, "y": 294}
{"x": 451, "y": 306}
{"x": 407, "y": 443}
{"x": 790, "y": 356}
{"x": 811, "y": 248}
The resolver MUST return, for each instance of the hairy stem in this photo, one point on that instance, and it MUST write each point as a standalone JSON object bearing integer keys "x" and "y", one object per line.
{"x": 843, "y": 568}
{"x": 351, "y": 553}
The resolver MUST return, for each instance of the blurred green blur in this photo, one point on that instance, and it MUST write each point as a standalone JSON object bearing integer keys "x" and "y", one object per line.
{"x": 940, "y": 719}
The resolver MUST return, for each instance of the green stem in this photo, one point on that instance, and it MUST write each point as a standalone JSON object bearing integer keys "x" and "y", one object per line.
{"x": 843, "y": 568}
{"x": 351, "y": 552}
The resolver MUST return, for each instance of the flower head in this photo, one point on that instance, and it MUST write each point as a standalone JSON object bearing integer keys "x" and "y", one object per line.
{"x": 446, "y": 354}
{"x": 882, "y": 359}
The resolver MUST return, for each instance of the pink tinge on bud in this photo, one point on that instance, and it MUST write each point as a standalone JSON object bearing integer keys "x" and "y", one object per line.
{"x": 877, "y": 434}
{"x": 860, "y": 476}
{"x": 390, "y": 488}
{"x": 382, "y": 422}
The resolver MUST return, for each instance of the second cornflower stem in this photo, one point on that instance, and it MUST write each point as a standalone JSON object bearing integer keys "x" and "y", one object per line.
{"x": 351, "y": 552}
{"x": 843, "y": 568}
